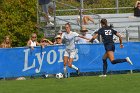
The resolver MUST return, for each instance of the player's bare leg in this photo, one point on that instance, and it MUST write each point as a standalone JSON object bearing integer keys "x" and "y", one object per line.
{"x": 73, "y": 66}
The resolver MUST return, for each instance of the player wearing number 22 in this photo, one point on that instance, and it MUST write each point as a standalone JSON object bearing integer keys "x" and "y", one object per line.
{"x": 107, "y": 36}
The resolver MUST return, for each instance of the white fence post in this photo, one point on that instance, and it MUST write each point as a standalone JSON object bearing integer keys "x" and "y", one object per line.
{"x": 127, "y": 35}
{"x": 81, "y": 10}
{"x": 117, "y": 6}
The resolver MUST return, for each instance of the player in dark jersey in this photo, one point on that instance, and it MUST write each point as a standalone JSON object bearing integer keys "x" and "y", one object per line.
{"x": 107, "y": 36}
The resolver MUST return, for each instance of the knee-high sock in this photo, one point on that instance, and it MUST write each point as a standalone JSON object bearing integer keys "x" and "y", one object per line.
{"x": 65, "y": 70}
{"x": 74, "y": 67}
{"x": 118, "y": 61}
{"x": 104, "y": 66}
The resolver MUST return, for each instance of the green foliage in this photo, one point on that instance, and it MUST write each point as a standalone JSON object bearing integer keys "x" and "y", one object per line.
{"x": 92, "y": 4}
{"x": 18, "y": 19}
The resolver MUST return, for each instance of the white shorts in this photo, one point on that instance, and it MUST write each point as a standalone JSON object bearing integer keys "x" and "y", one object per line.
{"x": 70, "y": 54}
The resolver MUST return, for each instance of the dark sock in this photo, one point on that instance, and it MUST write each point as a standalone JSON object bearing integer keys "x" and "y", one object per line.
{"x": 104, "y": 66}
{"x": 118, "y": 61}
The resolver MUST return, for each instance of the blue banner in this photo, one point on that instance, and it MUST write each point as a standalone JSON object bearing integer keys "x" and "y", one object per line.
{"x": 23, "y": 61}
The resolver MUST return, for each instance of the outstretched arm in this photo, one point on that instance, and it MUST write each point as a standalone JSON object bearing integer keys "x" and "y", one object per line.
{"x": 94, "y": 37}
{"x": 83, "y": 37}
{"x": 50, "y": 42}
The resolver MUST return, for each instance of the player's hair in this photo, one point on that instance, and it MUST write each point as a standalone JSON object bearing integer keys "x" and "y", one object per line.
{"x": 68, "y": 24}
{"x": 104, "y": 22}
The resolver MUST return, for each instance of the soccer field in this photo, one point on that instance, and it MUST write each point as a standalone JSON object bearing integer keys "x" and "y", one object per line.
{"x": 124, "y": 83}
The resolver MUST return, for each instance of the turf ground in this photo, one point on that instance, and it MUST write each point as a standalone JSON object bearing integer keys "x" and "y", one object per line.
{"x": 124, "y": 83}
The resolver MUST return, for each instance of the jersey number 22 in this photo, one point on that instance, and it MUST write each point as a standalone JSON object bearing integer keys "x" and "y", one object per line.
{"x": 108, "y": 32}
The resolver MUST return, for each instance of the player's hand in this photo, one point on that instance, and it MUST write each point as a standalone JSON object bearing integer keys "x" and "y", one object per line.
{"x": 90, "y": 40}
{"x": 121, "y": 46}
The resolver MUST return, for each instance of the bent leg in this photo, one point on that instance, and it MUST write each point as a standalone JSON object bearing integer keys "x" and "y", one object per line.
{"x": 85, "y": 20}
{"x": 90, "y": 19}
{"x": 110, "y": 55}
{"x": 111, "y": 58}
{"x": 72, "y": 55}
{"x": 71, "y": 65}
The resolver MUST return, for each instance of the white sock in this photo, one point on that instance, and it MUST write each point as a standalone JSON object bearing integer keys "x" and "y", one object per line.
{"x": 65, "y": 70}
{"x": 74, "y": 67}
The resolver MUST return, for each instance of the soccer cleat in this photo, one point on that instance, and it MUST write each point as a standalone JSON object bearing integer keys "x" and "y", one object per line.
{"x": 129, "y": 61}
{"x": 102, "y": 75}
{"x": 44, "y": 76}
{"x": 78, "y": 72}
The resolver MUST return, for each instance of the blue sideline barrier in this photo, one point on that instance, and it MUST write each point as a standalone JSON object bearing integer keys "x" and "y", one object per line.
{"x": 23, "y": 61}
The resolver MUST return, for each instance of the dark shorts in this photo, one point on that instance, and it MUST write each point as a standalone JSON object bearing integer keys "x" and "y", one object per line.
{"x": 109, "y": 47}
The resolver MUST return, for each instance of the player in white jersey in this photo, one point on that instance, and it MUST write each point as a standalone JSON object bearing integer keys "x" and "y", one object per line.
{"x": 68, "y": 38}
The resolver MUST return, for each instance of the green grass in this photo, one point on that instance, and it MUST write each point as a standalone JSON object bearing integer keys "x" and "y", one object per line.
{"x": 124, "y": 83}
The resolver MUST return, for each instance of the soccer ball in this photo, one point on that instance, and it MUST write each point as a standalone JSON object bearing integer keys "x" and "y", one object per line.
{"x": 59, "y": 75}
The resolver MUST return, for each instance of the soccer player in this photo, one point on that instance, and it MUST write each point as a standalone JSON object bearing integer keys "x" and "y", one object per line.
{"x": 68, "y": 38}
{"x": 107, "y": 36}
